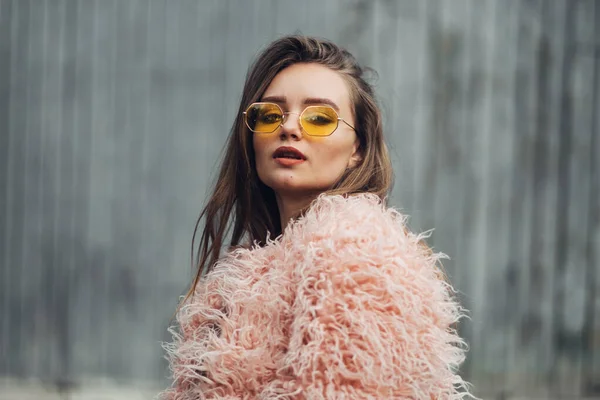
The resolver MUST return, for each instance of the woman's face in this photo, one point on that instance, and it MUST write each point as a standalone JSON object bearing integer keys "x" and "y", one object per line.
{"x": 324, "y": 159}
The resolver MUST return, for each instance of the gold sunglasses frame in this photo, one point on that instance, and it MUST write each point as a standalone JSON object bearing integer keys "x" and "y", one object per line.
{"x": 285, "y": 114}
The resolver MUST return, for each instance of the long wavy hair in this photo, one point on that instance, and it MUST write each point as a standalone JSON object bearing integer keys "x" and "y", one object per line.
{"x": 240, "y": 204}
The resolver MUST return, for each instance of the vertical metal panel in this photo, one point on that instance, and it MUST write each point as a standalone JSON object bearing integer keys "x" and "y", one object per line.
{"x": 482, "y": 250}
{"x": 88, "y": 118}
{"x": 17, "y": 154}
{"x": 526, "y": 104}
{"x": 578, "y": 113}
{"x": 592, "y": 360}
{"x": 461, "y": 276}
{"x": 6, "y": 28}
{"x": 539, "y": 320}
{"x": 404, "y": 36}
{"x": 566, "y": 371}
{"x": 448, "y": 71}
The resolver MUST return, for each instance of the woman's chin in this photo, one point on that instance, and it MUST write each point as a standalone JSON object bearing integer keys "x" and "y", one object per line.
{"x": 293, "y": 187}
{"x": 295, "y": 183}
{"x": 290, "y": 189}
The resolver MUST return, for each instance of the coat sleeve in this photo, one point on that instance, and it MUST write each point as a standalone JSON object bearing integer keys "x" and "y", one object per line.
{"x": 197, "y": 349}
{"x": 373, "y": 313}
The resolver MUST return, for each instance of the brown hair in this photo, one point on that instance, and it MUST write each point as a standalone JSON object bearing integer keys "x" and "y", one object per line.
{"x": 240, "y": 201}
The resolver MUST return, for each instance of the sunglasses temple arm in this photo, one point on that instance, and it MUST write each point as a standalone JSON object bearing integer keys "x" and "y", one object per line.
{"x": 341, "y": 119}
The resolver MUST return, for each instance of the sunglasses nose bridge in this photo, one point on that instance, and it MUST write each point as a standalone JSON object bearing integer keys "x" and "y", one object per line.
{"x": 285, "y": 114}
{"x": 284, "y": 119}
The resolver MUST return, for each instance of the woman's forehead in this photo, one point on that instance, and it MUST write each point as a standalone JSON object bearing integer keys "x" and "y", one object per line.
{"x": 308, "y": 101}
{"x": 307, "y": 84}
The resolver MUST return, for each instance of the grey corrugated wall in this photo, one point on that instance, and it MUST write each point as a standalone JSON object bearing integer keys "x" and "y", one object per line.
{"x": 113, "y": 114}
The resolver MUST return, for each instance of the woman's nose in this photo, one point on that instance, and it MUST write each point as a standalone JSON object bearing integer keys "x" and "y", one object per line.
{"x": 290, "y": 126}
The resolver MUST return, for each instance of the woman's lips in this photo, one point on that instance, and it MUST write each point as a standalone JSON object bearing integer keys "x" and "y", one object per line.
{"x": 288, "y": 162}
{"x": 288, "y": 152}
{"x": 288, "y": 156}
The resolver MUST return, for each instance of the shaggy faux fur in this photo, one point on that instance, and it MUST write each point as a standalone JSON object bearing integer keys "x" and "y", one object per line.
{"x": 347, "y": 304}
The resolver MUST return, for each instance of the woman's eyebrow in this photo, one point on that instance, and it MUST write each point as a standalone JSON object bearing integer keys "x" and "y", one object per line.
{"x": 321, "y": 100}
{"x": 308, "y": 101}
{"x": 274, "y": 99}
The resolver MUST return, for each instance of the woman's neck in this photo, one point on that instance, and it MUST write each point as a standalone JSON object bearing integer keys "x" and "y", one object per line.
{"x": 290, "y": 205}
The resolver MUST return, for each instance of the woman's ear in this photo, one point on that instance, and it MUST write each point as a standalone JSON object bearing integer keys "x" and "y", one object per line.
{"x": 356, "y": 156}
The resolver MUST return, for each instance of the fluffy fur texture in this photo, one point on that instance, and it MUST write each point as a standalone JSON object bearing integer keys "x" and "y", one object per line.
{"x": 347, "y": 304}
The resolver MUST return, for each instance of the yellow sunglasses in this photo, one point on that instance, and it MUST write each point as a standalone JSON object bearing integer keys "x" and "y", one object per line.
{"x": 314, "y": 120}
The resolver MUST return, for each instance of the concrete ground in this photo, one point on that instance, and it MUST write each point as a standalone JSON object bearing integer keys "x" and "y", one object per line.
{"x": 110, "y": 391}
{"x": 98, "y": 391}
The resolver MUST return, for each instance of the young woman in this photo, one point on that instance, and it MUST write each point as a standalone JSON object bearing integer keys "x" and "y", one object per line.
{"x": 323, "y": 293}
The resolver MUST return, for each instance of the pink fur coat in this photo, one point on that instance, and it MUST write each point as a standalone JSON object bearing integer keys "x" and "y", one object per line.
{"x": 347, "y": 304}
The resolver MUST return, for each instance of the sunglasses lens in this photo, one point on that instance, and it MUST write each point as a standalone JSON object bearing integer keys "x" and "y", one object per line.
{"x": 263, "y": 118}
{"x": 319, "y": 121}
